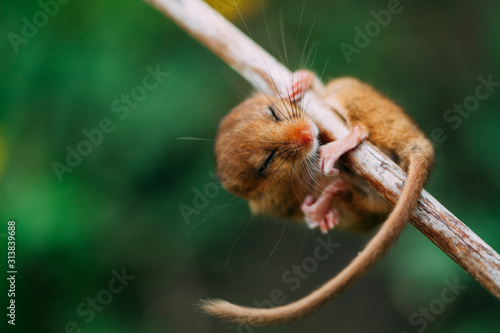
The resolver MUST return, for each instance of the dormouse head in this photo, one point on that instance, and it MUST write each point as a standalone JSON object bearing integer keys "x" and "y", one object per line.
{"x": 262, "y": 144}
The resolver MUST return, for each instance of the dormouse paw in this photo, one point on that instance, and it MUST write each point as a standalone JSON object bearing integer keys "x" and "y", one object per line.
{"x": 331, "y": 152}
{"x": 302, "y": 81}
{"x": 316, "y": 216}
{"x": 327, "y": 161}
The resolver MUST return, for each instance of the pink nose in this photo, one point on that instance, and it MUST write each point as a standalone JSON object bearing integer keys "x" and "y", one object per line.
{"x": 303, "y": 136}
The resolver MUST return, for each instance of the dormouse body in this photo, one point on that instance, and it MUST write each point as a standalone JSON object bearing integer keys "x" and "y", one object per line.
{"x": 270, "y": 152}
{"x": 267, "y": 152}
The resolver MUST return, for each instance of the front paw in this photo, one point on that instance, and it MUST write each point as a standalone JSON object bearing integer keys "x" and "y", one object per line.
{"x": 331, "y": 152}
{"x": 327, "y": 160}
{"x": 302, "y": 80}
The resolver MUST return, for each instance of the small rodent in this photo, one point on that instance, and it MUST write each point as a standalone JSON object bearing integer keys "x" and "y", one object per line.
{"x": 270, "y": 152}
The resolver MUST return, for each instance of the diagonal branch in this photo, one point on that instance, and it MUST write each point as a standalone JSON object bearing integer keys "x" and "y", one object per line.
{"x": 265, "y": 73}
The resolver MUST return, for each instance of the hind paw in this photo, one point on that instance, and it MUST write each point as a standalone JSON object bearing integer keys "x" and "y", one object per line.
{"x": 316, "y": 217}
{"x": 321, "y": 212}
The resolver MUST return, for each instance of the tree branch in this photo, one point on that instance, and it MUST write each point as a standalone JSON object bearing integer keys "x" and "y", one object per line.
{"x": 265, "y": 73}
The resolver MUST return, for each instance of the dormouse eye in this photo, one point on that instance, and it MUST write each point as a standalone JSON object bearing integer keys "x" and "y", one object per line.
{"x": 268, "y": 160}
{"x": 273, "y": 113}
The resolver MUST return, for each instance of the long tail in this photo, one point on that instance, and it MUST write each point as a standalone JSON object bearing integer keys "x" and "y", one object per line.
{"x": 371, "y": 254}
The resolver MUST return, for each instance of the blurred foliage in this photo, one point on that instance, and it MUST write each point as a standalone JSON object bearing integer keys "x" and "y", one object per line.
{"x": 119, "y": 208}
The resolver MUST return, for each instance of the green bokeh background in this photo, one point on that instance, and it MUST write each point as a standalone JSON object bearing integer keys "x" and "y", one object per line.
{"x": 120, "y": 207}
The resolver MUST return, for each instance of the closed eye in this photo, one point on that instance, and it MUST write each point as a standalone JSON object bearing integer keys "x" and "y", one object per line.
{"x": 268, "y": 160}
{"x": 273, "y": 113}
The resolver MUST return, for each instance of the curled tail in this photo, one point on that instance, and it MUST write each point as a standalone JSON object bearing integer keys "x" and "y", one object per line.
{"x": 372, "y": 253}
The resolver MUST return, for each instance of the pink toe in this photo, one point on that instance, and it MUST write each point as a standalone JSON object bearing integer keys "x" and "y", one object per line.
{"x": 323, "y": 227}
{"x": 335, "y": 215}
{"x": 330, "y": 220}
{"x": 309, "y": 200}
{"x": 312, "y": 224}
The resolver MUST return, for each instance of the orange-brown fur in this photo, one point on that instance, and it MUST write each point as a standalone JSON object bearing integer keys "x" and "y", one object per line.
{"x": 244, "y": 135}
{"x": 388, "y": 126}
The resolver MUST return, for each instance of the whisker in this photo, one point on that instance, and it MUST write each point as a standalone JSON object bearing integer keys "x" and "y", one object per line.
{"x": 283, "y": 152}
{"x": 298, "y": 31}
{"x": 215, "y": 212}
{"x": 266, "y": 142}
{"x": 282, "y": 29}
{"x": 301, "y": 247}
{"x": 324, "y": 69}
{"x": 307, "y": 38}
{"x": 312, "y": 50}
{"x": 242, "y": 93}
{"x": 229, "y": 204}
{"x": 187, "y": 138}
{"x": 237, "y": 239}
{"x": 275, "y": 247}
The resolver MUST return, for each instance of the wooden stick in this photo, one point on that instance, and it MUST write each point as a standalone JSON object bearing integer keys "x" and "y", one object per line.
{"x": 265, "y": 73}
